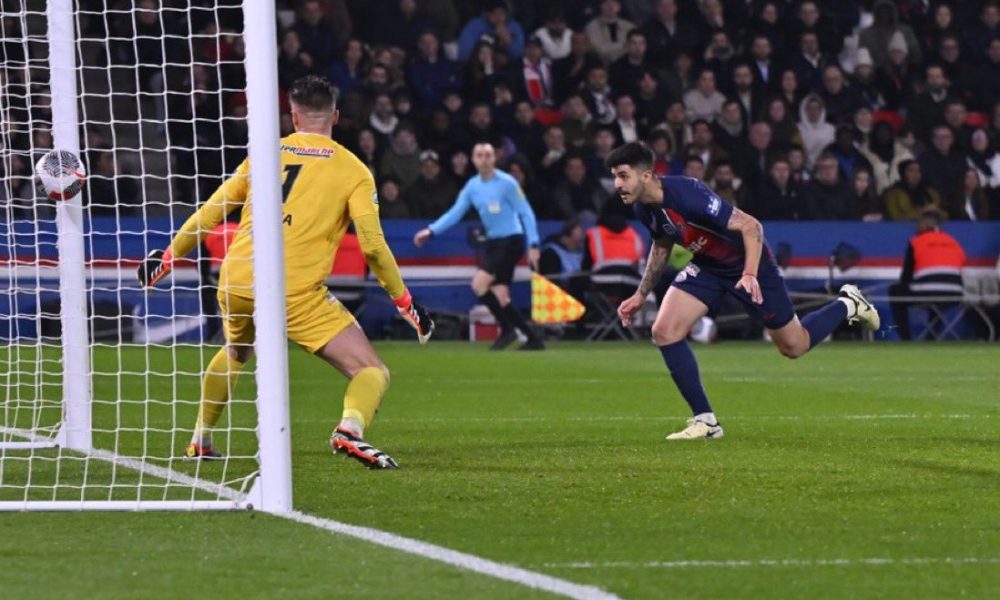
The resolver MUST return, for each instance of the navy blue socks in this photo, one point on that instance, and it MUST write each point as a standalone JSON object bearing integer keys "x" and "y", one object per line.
{"x": 684, "y": 370}
{"x": 822, "y": 322}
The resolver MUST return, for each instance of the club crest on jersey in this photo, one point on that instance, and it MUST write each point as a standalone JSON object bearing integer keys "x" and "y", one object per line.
{"x": 311, "y": 152}
{"x": 714, "y": 205}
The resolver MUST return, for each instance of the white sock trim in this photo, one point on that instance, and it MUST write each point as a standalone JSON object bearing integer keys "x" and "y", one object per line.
{"x": 852, "y": 307}
{"x": 708, "y": 418}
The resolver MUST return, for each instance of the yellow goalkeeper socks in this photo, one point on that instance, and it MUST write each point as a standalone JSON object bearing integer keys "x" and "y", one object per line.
{"x": 362, "y": 399}
{"x": 216, "y": 386}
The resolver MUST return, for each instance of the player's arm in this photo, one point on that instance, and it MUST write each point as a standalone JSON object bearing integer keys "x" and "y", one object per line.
{"x": 753, "y": 245}
{"x": 227, "y": 198}
{"x": 447, "y": 220}
{"x": 656, "y": 264}
{"x": 528, "y": 221}
{"x": 364, "y": 213}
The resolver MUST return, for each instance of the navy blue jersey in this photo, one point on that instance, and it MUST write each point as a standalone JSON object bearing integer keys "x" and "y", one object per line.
{"x": 695, "y": 217}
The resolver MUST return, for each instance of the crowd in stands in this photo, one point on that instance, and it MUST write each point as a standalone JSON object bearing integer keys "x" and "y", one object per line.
{"x": 791, "y": 109}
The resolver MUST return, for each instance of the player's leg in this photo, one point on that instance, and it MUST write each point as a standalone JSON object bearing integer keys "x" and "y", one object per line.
{"x": 482, "y": 284}
{"x": 508, "y": 253}
{"x": 516, "y": 319}
{"x": 322, "y": 326}
{"x": 678, "y": 313}
{"x": 222, "y": 372}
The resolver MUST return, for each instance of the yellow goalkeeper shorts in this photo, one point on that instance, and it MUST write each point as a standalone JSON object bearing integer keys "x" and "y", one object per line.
{"x": 314, "y": 318}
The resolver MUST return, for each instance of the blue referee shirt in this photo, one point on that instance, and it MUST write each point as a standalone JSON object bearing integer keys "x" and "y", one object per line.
{"x": 501, "y": 205}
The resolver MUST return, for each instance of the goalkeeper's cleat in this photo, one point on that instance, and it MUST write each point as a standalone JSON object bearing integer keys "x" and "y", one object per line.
{"x": 360, "y": 450}
{"x": 864, "y": 311}
{"x": 198, "y": 452}
{"x": 697, "y": 430}
{"x": 416, "y": 315}
{"x": 534, "y": 343}
{"x": 506, "y": 338}
{"x": 154, "y": 267}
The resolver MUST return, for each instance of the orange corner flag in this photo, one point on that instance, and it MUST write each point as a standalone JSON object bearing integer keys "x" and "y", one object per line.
{"x": 551, "y": 304}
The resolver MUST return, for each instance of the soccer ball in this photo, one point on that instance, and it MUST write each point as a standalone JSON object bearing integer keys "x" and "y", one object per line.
{"x": 60, "y": 174}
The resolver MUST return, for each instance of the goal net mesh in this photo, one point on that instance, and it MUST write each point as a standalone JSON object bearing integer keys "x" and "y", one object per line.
{"x": 162, "y": 120}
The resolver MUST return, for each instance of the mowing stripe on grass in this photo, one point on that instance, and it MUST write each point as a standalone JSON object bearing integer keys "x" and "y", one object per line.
{"x": 461, "y": 560}
{"x": 785, "y": 562}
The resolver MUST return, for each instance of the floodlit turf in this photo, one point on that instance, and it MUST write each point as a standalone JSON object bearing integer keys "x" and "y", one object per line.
{"x": 556, "y": 462}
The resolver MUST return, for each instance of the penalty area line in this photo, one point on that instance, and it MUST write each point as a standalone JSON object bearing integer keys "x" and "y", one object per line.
{"x": 785, "y": 562}
{"x": 461, "y": 560}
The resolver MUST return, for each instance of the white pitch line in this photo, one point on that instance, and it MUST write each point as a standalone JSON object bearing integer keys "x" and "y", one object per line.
{"x": 786, "y": 562}
{"x": 460, "y": 560}
{"x": 632, "y": 418}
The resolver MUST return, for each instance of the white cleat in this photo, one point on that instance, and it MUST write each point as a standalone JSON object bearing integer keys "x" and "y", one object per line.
{"x": 864, "y": 311}
{"x": 697, "y": 430}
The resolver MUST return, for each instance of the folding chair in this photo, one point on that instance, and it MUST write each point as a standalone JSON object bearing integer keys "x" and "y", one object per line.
{"x": 610, "y": 286}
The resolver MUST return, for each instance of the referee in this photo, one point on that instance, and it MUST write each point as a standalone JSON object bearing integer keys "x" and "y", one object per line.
{"x": 508, "y": 218}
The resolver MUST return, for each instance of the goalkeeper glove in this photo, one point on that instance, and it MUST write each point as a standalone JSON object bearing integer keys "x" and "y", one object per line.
{"x": 416, "y": 315}
{"x": 154, "y": 267}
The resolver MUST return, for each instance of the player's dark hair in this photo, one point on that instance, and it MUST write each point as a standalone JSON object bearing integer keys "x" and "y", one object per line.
{"x": 633, "y": 154}
{"x": 313, "y": 93}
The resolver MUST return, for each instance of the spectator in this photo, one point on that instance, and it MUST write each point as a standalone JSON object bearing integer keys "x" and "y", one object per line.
{"x": 885, "y": 155}
{"x": 438, "y": 134}
{"x": 604, "y": 142}
{"x": 932, "y": 267}
{"x": 943, "y": 165}
{"x": 727, "y": 185}
{"x": 752, "y": 161}
{"x": 562, "y": 255}
{"x": 780, "y": 197}
{"x": 808, "y": 63}
{"x": 526, "y": 132}
{"x": 401, "y": 160}
{"x": 841, "y": 100}
{"x": 762, "y": 61}
{"x": 816, "y": 133}
{"x": 480, "y": 73}
{"x": 383, "y": 118}
{"x": 667, "y": 35}
{"x": 957, "y": 69}
{"x": 864, "y": 81}
{"x": 110, "y": 192}
{"x": 317, "y": 35}
{"x": 694, "y": 167}
{"x": 533, "y": 75}
{"x": 627, "y": 128}
{"x": 390, "y": 201}
{"x": 984, "y": 158}
{"x": 629, "y": 69}
{"x": 576, "y": 193}
{"x": 987, "y": 80}
{"x": 865, "y": 196}
{"x": 704, "y": 147}
{"x": 369, "y": 150}
{"x": 704, "y": 101}
{"x": 926, "y": 110}
{"x": 746, "y": 92}
{"x": 895, "y": 78}
{"x": 675, "y": 124}
{"x": 828, "y": 197}
{"x": 460, "y": 167}
{"x": 863, "y": 120}
{"x": 768, "y": 23}
{"x": 433, "y": 193}
{"x": 347, "y": 75}
{"x": 651, "y": 103}
{"x": 556, "y": 38}
{"x": 577, "y": 122}
{"x": 978, "y": 39}
{"x": 552, "y": 161}
{"x": 877, "y": 37}
{"x": 480, "y": 128}
{"x": 401, "y": 27}
{"x": 848, "y": 156}
{"x": 797, "y": 162}
{"x": 942, "y": 24}
{"x": 597, "y": 95}
{"x": 293, "y": 61}
{"x": 719, "y": 55}
{"x": 809, "y": 18}
{"x": 664, "y": 160}
{"x": 955, "y": 115}
{"x": 910, "y": 195}
{"x": 519, "y": 167}
{"x": 431, "y": 75}
{"x": 784, "y": 132}
{"x": 607, "y": 31}
{"x": 570, "y": 71}
{"x": 970, "y": 202}
{"x": 728, "y": 129}
{"x": 790, "y": 89}
{"x": 497, "y": 25}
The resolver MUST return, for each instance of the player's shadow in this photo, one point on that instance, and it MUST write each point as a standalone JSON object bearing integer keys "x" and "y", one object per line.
{"x": 992, "y": 474}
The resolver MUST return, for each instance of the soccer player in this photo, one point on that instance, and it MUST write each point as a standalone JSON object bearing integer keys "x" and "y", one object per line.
{"x": 730, "y": 258}
{"x": 507, "y": 217}
{"x": 325, "y": 188}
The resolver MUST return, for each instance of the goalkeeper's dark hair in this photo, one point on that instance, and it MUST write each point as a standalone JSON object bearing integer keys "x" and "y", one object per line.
{"x": 313, "y": 93}
{"x": 634, "y": 154}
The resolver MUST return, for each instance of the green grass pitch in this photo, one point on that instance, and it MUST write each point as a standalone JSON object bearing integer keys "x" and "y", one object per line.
{"x": 556, "y": 462}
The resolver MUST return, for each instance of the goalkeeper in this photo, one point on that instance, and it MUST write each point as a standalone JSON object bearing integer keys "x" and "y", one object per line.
{"x": 325, "y": 188}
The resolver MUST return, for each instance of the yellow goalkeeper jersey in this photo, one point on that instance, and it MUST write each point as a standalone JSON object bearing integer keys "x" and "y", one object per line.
{"x": 324, "y": 188}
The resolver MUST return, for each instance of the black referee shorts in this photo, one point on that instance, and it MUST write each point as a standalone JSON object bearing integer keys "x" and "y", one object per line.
{"x": 500, "y": 257}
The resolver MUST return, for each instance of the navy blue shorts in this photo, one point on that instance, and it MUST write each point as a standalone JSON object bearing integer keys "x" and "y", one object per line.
{"x": 711, "y": 288}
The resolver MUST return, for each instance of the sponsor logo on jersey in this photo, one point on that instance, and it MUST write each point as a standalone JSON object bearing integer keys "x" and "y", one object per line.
{"x": 494, "y": 208}
{"x": 696, "y": 245}
{"x": 311, "y": 152}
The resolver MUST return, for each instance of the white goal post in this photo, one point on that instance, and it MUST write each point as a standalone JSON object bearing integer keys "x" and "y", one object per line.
{"x": 96, "y": 416}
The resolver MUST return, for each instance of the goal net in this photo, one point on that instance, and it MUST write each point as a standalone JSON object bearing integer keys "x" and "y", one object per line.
{"x": 101, "y": 378}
